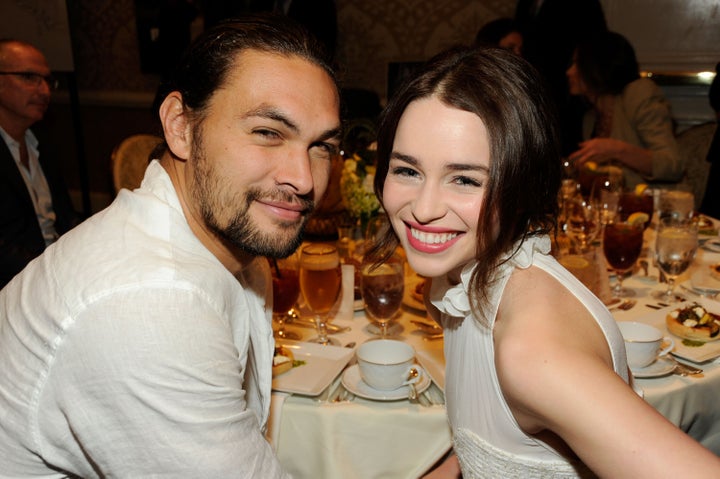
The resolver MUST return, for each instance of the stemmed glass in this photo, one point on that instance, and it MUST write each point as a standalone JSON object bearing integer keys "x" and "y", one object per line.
{"x": 675, "y": 248}
{"x": 605, "y": 195}
{"x": 383, "y": 286}
{"x": 286, "y": 291}
{"x": 582, "y": 222}
{"x": 622, "y": 243}
{"x": 320, "y": 283}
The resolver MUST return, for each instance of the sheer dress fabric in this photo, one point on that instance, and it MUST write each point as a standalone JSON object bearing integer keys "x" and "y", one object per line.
{"x": 487, "y": 439}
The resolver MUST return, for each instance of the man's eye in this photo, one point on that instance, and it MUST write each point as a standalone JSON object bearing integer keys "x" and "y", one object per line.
{"x": 268, "y": 134}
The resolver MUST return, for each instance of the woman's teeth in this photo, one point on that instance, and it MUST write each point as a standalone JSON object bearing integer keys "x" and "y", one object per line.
{"x": 432, "y": 238}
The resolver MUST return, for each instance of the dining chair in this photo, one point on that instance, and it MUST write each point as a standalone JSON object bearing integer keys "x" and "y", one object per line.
{"x": 130, "y": 158}
{"x": 694, "y": 144}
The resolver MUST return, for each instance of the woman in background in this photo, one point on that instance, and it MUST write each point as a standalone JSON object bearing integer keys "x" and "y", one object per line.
{"x": 537, "y": 383}
{"x": 629, "y": 120}
{"x": 503, "y": 33}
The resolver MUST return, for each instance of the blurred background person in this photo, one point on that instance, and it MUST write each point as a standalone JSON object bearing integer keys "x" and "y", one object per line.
{"x": 35, "y": 206}
{"x": 551, "y": 30}
{"x": 711, "y": 201}
{"x": 628, "y": 121}
{"x": 501, "y": 32}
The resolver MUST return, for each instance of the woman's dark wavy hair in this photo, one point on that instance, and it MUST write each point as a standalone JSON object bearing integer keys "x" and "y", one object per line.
{"x": 204, "y": 66}
{"x": 607, "y": 63}
{"x": 510, "y": 98}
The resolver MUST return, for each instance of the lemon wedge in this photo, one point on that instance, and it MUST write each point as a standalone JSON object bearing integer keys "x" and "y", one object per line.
{"x": 638, "y": 218}
{"x": 640, "y": 188}
{"x": 591, "y": 165}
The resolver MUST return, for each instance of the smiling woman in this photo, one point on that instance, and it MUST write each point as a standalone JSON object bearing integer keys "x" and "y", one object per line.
{"x": 468, "y": 173}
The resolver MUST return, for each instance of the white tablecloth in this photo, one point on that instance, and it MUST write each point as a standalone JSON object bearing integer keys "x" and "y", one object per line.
{"x": 372, "y": 439}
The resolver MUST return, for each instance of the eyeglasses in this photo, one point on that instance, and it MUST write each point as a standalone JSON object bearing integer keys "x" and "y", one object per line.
{"x": 35, "y": 79}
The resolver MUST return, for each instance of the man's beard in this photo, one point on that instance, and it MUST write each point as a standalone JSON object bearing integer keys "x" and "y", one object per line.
{"x": 215, "y": 194}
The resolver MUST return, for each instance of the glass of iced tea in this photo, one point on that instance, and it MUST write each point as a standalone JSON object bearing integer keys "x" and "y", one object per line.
{"x": 622, "y": 243}
{"x": 286, "y": 291}
{"x": 634, "y": 202}
{"x": 321, "y": 284}
{"x": 382, "y": 287}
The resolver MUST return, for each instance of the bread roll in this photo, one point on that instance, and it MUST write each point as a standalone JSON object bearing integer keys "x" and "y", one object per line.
{"x": 282, "y": 360}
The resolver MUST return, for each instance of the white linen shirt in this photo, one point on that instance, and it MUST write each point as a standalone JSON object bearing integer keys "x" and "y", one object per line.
{"x": 128, "y": 350}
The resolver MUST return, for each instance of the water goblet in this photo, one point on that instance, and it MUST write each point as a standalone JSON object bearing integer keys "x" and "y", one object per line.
{"x": 605, "y": 195}
{"x": 622, "y": 244}
{"x": 675, "y": 247}
{"x": 383, "y": 286}
{"x": 320, "y": 283}
{"x": 286, "y": 291}
{"x": 582, "y": 223}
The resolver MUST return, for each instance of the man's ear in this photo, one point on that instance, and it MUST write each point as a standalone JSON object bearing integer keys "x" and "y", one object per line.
{"x": 176, "y": 125}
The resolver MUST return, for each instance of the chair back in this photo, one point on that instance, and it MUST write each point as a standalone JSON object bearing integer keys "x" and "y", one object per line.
{"x": 694, "y": 144}
{"x": 130, "y": 158}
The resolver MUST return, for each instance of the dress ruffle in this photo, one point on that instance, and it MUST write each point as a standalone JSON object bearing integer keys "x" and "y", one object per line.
{"x": 454, "y": 299}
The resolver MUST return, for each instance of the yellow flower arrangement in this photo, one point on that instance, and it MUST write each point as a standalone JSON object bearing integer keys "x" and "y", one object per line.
{"x": 356, "y": 188}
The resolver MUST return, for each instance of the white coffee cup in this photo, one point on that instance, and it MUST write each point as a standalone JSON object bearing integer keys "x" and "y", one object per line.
{"x": 385, "y": 363}
{"x": 644, "y": 343}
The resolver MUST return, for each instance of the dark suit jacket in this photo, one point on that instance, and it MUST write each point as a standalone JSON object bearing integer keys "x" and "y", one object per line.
{"x": 20, "y": 237}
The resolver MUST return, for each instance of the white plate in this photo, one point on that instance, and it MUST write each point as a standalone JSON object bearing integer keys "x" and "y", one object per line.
{"x": 408, "y": 299}
{"x": 661, "y": 367}
{"x": 702, "y": 281}
{"x": 695, "y": 352}
{"x": 322, "y": 365}
{"x": 353, "y": 382}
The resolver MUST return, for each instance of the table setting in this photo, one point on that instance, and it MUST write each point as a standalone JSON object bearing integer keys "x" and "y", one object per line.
{"x": 672, "y": 269}
{"x": 327, "y": 420}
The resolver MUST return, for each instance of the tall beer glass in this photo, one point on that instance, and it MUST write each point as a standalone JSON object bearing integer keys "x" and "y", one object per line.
{"x": 320, "y": 283}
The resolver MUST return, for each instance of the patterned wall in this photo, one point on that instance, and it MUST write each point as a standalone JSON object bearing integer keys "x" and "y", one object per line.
{"x": 371, "y": 33}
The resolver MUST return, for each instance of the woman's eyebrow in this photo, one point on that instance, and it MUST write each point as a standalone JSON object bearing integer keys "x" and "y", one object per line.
{"x": 411, "y": 160}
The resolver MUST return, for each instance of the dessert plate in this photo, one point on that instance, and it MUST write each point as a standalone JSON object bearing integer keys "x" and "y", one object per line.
{"x": 353, "y": 382}
{"x": 322, "y": 365}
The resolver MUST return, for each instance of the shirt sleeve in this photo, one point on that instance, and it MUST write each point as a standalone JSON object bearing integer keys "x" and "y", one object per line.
{"x": 150, "y": 382}
{"x": 651, "y": 117}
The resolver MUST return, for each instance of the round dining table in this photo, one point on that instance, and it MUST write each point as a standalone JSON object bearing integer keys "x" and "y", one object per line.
{"x": 337, "y": 432}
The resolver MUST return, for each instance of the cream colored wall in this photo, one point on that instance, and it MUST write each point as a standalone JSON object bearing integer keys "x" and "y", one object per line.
{"x": 373, "y": 33}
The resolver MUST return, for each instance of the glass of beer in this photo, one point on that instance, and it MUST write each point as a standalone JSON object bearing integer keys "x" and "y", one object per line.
{"x": 286, "y": 291}
{"x": 320, "y": 283}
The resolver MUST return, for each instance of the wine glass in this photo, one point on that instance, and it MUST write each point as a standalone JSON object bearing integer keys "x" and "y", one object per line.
{"x": 320, "y": 283}
{"x": 675, "y": 248}
{"x": 286, "y": 291}
{"x": 582, "y": 222}
{"x": 383, "y": 286}
{"x": 622, "y": 243}
{"x": 605, "y": 195}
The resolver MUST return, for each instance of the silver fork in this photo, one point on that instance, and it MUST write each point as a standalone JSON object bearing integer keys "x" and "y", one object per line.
{"x": 683, "y": 369}
{"x": 625, "y": 305}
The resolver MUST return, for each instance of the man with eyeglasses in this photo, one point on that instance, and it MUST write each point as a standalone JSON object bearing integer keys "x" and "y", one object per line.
{"x": 35, "y": 206}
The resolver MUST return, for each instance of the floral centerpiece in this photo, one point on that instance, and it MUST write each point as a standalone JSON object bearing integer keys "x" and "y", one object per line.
{"x": 356, "y": 187}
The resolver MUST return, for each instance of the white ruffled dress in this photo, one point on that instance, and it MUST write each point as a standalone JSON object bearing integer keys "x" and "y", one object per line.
{"x": 487, "y": 439}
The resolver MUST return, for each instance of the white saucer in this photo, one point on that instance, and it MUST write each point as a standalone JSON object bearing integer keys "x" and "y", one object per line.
{"x": 353, "y": 382}
{"x": 661, "y": 367}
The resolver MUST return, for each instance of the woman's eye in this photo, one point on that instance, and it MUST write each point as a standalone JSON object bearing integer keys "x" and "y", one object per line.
{"x": 403, "y": 171}
{"x": 467, "y": 181}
